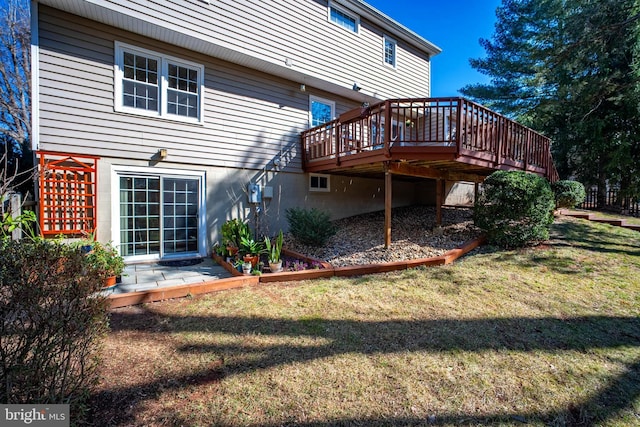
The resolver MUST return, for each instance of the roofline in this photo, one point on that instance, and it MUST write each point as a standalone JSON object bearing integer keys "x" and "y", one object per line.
{"x": 389, "y": 24}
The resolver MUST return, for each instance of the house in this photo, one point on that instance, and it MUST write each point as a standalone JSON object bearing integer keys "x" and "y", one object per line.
{"x": 155, "y": 122}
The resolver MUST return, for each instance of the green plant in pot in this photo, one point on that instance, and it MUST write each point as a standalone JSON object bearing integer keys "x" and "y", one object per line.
{"x": 233, "y": 231}
{"x": 251, "y": 250}
{"x": 105, "y": 259}
{"x": 274, "y": 251}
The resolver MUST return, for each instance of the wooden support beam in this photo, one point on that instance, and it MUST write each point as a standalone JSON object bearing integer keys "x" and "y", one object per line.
{"x": 400, "y": 168}
{"x": 387, "y": 206}
{"x": 439, "y": 201}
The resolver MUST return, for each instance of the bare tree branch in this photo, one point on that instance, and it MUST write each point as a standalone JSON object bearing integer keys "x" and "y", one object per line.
{"x": 15, "y": 75}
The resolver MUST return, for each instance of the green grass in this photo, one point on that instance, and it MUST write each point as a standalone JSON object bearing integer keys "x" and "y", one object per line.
{"x": 547, "y": 336}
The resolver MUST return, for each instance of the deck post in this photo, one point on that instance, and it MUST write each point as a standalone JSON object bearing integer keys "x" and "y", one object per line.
{"x": 387, "y": 205}
{"x": 461, "y": 105}
{"x": 387, "y": 128}
{"x": 439, "y": 193}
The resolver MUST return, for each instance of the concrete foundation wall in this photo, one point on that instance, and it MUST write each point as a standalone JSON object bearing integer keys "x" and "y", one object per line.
{"x": 459, "y": 193}
{"x": 226, "y": 196}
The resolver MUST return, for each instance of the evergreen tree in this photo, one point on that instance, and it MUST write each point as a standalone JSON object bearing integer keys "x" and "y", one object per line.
{"x": 570, "y": 69}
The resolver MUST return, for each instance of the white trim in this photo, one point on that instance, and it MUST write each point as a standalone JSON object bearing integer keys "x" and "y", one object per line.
{"x": 329, "y": 102}
{"x": 320, "y": 189}
{"x": 163, "y": 86}
{"x": 35, "y": 78}
{"x": 347, "y": 12}
{"x": 117, "y": 170}
{"x": 386, "y": 38}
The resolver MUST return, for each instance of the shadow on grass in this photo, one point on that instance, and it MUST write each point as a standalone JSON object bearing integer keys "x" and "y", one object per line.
{"x": 595, "y": 237}
{"x": 344, "y": 336}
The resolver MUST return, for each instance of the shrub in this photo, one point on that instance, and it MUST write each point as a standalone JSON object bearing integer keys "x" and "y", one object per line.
{"x": 51, "y": 326}
{"x": 568, "y": 193}
{"x": 310, "y": 226}
{"x": 515, "y": 208}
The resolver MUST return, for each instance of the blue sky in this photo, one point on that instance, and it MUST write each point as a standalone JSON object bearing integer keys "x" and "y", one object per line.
{"x": 455, "y": 27}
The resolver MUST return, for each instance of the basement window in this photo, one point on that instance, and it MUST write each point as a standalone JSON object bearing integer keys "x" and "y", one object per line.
{"x": 319, "y": 182}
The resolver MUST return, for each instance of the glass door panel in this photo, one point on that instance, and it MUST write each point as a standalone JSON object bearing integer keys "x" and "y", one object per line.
{"x": 158, "y": 216}
{"x": 139, "y": 215}
{"x": 180, "y": 221}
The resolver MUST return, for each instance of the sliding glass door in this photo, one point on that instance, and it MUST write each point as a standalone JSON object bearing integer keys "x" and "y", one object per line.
{"x": 159, "y": 215}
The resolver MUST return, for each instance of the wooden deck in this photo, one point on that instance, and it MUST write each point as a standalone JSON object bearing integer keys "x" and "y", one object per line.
{"x": 446, "y": 139}
{"x": 452, "y": 139}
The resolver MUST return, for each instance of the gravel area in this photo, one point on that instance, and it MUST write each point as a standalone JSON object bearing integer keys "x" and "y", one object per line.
{"x": 414, "y": 234}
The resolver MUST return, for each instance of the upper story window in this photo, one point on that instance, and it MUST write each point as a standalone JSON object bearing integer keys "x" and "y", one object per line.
{"x": 343, "y": 18}
{"x": 152, "y": 84}
{"x": 320, "y": 111}
{"x": 389, "y": 51}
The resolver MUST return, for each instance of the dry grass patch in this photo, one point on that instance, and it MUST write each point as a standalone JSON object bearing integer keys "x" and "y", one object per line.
{"x": 547, "y": 336}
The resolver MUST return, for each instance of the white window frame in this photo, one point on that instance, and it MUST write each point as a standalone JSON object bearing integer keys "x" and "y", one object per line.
{"x": 346, "y": 12}
{"x": 319, "y": 188}
{"x": 386, "y": 39}
{"x": 117, "y": 171}
{"x": 163, "y": 83}
{"x": 329, "y": 102}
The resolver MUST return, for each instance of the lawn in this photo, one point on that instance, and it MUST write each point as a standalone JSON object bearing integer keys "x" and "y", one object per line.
{"x": 545, "y": 336}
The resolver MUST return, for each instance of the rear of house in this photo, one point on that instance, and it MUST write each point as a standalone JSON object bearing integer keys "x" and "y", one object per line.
{"x": 155, "y": 122}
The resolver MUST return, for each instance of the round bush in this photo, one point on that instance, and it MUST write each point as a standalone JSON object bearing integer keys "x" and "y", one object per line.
{"x": 515, "y": 209}
{"x": 568, "y": 193}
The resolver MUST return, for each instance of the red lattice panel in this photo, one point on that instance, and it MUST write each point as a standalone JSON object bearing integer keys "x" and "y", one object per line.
{"x": 68, "y": 196}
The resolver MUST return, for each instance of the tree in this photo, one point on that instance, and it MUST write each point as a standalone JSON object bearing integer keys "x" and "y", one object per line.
{"x": 569, "y": 69}
{"x": 15, "y": 86}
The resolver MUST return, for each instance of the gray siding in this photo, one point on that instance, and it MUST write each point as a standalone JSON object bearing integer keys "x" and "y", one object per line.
{"x": 249, "y": 117}
{"x": 272, "y": 32}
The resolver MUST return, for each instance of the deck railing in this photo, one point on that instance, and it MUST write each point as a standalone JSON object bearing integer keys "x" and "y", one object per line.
{"x": 472, "y": 129}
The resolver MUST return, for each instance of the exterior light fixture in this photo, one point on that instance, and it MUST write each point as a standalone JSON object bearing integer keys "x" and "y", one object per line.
{"x": 162, "y": 153}
{"x": 356, "y": 87}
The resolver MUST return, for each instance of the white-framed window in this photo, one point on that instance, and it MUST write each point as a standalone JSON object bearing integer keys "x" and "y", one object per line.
{"x": 158, "y": 213}
{"x": 389, "y": 51}
{"x": 320, "y": 111}
{"x": 319, "y": 182}
{"x": 152, "y": 84}
{"x": 344, "y": 18}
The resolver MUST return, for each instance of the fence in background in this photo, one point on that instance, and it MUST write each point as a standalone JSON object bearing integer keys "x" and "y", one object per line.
{"x": 612, "y": 202}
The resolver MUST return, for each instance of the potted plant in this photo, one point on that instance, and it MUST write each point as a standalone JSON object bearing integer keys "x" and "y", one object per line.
{"x": 274, "y": 251}
{"x": 105, "y": 259}
{"x": 251, "y": 250}
{"x": 246, "y": 267}
{"x": 233, "y": 231}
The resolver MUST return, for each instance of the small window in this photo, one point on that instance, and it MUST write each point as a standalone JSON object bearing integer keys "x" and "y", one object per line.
{"x": 320, "y": 111}
{"x": 153, "y": 84}
{"x": 343, "y": 18}
{"x": 389, "y": 51}
{"x": 319, "y": 182}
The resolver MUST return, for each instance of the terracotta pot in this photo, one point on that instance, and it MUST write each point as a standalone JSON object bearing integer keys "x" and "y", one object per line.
{"x": 109, "y": 282}
{"x": 253, "y": 259}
